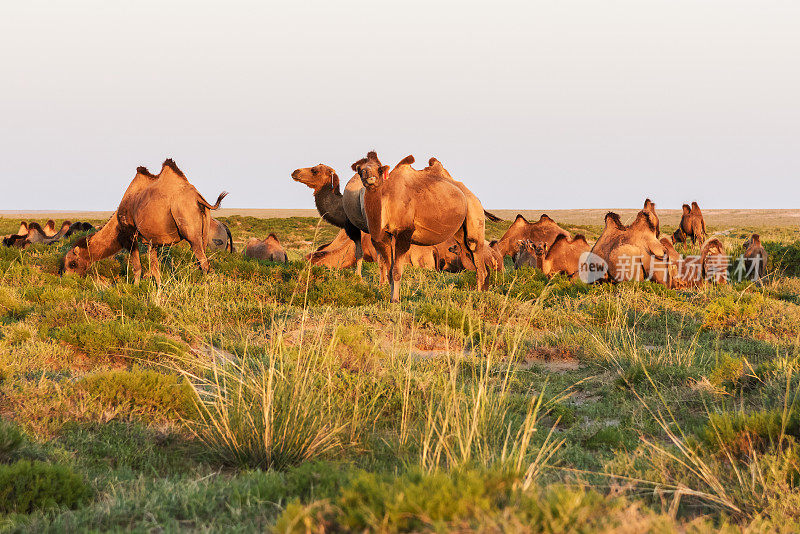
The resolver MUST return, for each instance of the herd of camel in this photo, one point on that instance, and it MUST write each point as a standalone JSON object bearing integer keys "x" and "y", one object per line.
{"x": 396, "y": 216}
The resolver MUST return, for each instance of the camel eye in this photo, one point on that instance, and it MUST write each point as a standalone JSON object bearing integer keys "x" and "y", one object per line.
{"x": 73, "y": 264}
{"x": 314, "y": 171}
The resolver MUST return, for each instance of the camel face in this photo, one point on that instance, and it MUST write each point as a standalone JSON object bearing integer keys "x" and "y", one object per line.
{"x": 316, "y": 177}
{"x": 77, "y": 260}
{"x": 371, "y": 171}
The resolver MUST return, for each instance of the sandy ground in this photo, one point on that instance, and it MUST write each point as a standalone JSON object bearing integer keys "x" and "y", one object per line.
{"x": 720, "y": 217}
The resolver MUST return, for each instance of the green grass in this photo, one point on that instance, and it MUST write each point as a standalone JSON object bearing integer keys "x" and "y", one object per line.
{"x": 282, "y": 397}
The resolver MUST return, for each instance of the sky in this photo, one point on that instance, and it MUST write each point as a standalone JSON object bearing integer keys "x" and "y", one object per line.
{"x": 532, "y": 104}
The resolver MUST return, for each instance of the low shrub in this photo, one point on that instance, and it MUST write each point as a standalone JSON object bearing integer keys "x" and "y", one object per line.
{"x": 26, "y": 486}
{"x": 11, "y": 439}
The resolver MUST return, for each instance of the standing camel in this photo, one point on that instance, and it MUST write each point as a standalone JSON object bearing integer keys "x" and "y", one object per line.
{"x": 161, "y": 209}
{"x": 421, "y": 207}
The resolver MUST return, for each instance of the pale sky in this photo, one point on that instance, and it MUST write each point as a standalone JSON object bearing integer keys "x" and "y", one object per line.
{"x": 533, "y": 104}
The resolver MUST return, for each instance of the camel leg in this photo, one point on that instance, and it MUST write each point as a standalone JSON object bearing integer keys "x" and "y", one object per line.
{"x": 355, "y": 235}
{"x": 474, "y": 248}
{"x": 154, "y": 269}
{"x": 200, "y": 253}
{"x": 384, "y": 260}
{"x": 136, "y": 263}
{"x": 400, "y": 256}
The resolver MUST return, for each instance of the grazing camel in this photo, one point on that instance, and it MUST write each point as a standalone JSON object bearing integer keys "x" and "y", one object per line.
{"x": 755, "y": 259}
{"x": 161, "y": 209}
{"x": 692, "y": 225}
{"x": 714, "y": 261}
{"x": 269, "y": 249}
{"x": 421, "y": 207}
{"x": 562, "y": 257}
{"x": 219, "y": 236}
{"x": 632, "y": 252}
{"x": 676, "y": 262}
{"x": 544, "y": 230}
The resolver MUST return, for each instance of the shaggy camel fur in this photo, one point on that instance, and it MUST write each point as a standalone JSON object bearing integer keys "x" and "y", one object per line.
{"x": 269, "y": 249}
{"x": 545, "y": 230}
{"x": 692, "y": 225}
{"x": 161, "y": 209}
{"x": 632, "y": 252}
{"x": 562, "y": 257}
{"x": 714, "y": 261}
{"x": 421, "y": 207}
{"x": 450, "y": 257}
{"x": 755, "y": 258}
{"x": 219, "y": 236}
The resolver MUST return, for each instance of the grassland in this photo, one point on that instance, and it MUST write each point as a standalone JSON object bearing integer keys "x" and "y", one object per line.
{"x": 284, "y": 397}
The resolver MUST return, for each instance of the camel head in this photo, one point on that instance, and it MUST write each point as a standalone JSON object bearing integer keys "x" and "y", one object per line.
{"x": 539, "y": 249}
{"x": 77, "y": 260}
{"x": 317, "y": 177}
{"x": 371, "y": 171}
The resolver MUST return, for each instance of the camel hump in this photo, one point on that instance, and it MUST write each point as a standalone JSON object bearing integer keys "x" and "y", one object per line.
{"x": 579, "y": 238}
{"x": 695, "y": 206}
{"x": 169, "y": 162}
{"x": 755, "y": 239}
{"x": 614, "y": 219}
{"x": 273, "y": 237}
{"x": 144, "y": 172}
{"x": 559, "y": 238}
{"x": 433, "y": 161}
{"x": 686, "y": 209}
{"x": 545, "y": 218}
{"x": 491, "y": 216}
{"x": 519, "y": 218}
{"x": 408, "y": 160}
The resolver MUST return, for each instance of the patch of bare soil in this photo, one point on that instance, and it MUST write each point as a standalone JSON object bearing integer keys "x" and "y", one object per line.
{"x": 553, "y": 359}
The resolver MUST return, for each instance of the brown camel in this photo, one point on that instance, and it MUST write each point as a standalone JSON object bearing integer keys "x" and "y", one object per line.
{"x": 544, "y": 230}
{"x": 38, "y": 235}
{"x": 450, "y": 257}
{"x": 714, "y": 261}
{"x": 632, "y": 252}
{"x": 343, "y": 210}
{"x": 161, "y": 209}
{"x": 422, "y": 207}
{"x": 269, "y": 249}
{"x": 346, "y": 209}
{"x": 692, "y": 225}
{"x": 562, "y": 257}
{"x": 677, "y": 278}
{"x": 49, "y": 228}
{"x": 219, "y": 236}
{"x": 755, "y": 259}
{"x": 17, "y": 240}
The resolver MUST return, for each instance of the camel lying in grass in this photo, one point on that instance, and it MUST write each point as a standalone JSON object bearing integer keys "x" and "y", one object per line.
{"x": 341, "y": 253}
{"x": 219, "y": 236}
{"x": 269, "y": 249}
{"x": 563, "y": 257}
{"x": 545, "y": 230}
{"x": 159, "y": 210}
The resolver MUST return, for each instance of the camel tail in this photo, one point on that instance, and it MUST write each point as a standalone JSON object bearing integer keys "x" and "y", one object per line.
{"x": 491, "y": 216}
{"x": 203, "y": 202}
{"x": 230, "y": 239}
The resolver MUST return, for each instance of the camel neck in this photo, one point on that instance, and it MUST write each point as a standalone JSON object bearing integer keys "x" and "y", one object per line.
{"x": 329, "y": 205}
{"x": 106, "y": 241}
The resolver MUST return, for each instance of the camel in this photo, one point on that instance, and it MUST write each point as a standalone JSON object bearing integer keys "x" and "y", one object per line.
{"x": 79, "y": 227}
{"x": 49, "y": 228}
{"x": 544, "y": 230}
{"x": 650, "y": 207}
{"x": 219, "y": 236}
{"x": 692, "y": 225}
{"x": 755, "y": 259}
{"x": 38, "y": 235}
{"x": 562, "y": 257}
{"x": 676, "y": 263}
{"x": 269, "y": 249}
{"x": 18, "y": 239}
{"x": 346, "y": 209}
{"x": 422, "y": 207}
{"x": 632, "y": 252}
{"x": 714, "y": 261}
{"x": 450, "y": 257}
{"x": 159, "y": 210}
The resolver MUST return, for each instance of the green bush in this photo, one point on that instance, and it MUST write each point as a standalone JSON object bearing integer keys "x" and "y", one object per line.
{"x": 27, "y": 486}
{"x": 11, "y": 439}
{"x": 142, "y": 391}
{"x": 740, "y": 432}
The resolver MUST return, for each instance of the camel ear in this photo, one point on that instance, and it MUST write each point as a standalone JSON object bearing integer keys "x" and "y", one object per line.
{"x": 357, "y": 165}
